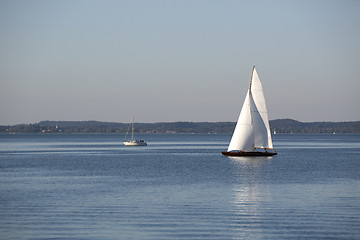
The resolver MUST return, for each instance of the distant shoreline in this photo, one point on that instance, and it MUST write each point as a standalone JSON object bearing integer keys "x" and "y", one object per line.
{"x": 278, "y": 126}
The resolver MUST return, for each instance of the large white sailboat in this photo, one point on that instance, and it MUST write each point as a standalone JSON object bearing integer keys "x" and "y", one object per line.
{"x": 133, "y": 142}
{"x": 252, "y": 135}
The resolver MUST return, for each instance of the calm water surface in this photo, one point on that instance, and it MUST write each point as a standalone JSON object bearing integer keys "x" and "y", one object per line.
{"x": 178, "y": 187}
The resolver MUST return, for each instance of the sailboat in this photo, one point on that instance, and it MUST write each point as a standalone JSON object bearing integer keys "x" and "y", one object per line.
{"x": 133, "y": 142}
{"x": 252, "y": 135}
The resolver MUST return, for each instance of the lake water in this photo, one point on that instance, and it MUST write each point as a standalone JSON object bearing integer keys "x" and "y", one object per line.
{"x": 178, "y": 187}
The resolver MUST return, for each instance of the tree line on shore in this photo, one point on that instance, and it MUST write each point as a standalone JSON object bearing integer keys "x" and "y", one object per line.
{"x": 277, "y": 126}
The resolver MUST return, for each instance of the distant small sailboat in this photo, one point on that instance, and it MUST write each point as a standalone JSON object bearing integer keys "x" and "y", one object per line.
{"x": 252, "y": 135}
{"x": 133, "y": 142}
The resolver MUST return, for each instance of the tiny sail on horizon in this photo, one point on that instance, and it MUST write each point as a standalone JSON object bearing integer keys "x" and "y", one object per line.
{"x": 252, "y": 135}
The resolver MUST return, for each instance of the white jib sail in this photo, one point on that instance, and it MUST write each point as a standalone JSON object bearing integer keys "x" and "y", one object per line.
{"x": 252, "y": 128}
{"x": 243, "y": 136}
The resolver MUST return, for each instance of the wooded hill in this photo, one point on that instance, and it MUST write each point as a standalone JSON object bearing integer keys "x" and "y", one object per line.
{"x": 278, "y": 126}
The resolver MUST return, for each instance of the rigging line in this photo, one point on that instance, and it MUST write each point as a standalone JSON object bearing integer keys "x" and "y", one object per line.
{"x": 127, "y": 132}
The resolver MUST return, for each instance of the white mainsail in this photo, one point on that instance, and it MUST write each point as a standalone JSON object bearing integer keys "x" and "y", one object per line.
{"x": 252, "y": 129}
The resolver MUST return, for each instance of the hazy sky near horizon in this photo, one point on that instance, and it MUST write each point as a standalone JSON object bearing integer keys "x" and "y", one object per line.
{"x": 162, "y": 60}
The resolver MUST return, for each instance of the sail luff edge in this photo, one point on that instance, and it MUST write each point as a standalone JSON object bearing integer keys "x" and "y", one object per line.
{"x": 251, "y": 78}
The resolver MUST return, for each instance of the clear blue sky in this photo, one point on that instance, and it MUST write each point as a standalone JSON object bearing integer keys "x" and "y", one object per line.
{"x": 185, "y": 60}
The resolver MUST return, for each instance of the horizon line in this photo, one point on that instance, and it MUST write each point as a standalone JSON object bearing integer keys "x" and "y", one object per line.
{"x": 173, "y": 121}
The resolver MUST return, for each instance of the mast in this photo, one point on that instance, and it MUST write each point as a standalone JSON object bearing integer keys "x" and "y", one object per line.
{"x": 132, "y": 129}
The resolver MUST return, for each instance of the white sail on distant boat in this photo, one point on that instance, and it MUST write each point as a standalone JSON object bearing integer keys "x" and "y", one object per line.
{"x": 133, "y": 142}
{"x": 252, "y": 135}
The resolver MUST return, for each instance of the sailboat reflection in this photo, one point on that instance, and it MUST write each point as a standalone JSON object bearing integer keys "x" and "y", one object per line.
{"x": 248, "y": 196}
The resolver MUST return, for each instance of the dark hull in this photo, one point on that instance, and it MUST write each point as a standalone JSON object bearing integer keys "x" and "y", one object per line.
{"x": 249, "y": 154}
